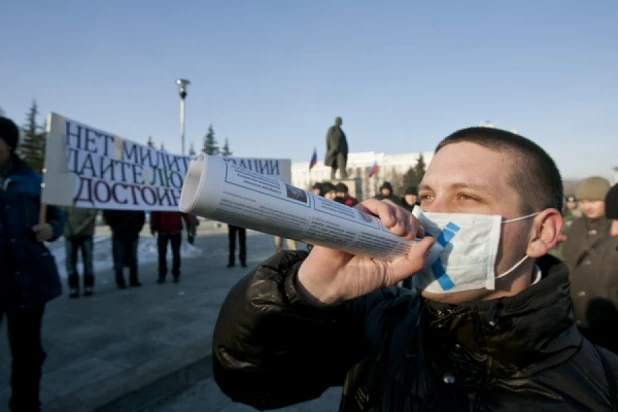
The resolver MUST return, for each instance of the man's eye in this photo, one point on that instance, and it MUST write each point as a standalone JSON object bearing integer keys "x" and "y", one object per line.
{"x": 467, "y": 197}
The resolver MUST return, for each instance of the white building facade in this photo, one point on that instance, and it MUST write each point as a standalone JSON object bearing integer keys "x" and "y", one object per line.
{"x": 391, "y": 168}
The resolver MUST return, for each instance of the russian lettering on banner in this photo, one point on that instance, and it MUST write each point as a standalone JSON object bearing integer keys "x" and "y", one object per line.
{"x": 116, "y": 173}
{"x": 87, "y": 167}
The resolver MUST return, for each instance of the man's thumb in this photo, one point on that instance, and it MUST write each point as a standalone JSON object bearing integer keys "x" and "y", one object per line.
{"x": 419, "y": 251}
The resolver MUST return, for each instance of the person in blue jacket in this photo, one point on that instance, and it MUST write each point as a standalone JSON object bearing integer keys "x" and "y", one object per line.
{"x": 28, "y": 272}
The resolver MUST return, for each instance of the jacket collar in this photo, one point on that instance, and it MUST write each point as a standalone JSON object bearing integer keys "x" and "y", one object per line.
{"x": 15, "y": 165}
{"x": 517, "y": 334}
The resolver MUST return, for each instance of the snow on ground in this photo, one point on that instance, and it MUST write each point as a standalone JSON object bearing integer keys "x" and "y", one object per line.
{"x": 103, "y": 261}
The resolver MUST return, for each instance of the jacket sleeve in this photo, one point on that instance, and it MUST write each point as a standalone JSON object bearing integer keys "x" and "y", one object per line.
{"x": 272, "y": 349}
{"x": 56, "y": 220}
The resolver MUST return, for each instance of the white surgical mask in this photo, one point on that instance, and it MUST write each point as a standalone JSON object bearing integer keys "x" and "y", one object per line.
{"x": 464, "y": 255}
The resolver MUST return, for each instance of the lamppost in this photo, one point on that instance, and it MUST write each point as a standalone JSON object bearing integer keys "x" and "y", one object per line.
{"x": 182, "y": 90}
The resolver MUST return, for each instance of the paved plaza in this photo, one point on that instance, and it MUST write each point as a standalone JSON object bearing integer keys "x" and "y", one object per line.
{"x": 121, "y": 350}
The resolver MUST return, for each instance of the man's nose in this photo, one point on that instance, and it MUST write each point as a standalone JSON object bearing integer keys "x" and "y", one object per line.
{"x": 614, "y": 229}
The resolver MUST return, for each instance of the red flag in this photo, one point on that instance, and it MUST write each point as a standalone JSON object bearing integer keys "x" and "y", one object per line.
{"x": 314, "y": 159}
{"x": 374, "y": 169}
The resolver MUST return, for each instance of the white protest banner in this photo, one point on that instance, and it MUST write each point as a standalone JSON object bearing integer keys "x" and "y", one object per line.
{"x": 87, "y": 167}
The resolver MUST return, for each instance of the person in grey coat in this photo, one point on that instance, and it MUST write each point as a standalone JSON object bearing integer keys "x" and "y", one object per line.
{"x": 79, "y": 233}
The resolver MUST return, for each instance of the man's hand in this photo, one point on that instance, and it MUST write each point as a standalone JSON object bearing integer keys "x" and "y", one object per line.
{"x": 43, "y": 232}
{"x": 562, "y": 238}
{"x": 331, "y": 276}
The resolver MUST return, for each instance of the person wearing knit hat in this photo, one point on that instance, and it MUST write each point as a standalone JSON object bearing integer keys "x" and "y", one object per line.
{"x": 611, "y": 209}
{"x": 328, "y": 191}
{"x": 9, "y": 132}
{"x": 342, "y": 195}
{"x": 316, "y": 189}
{"x": 387, "y": 193}
{"x": 410, "y": 198}
{"x": 591, "y": 254}
{"x": 28, "y": 272}
{"x": 592, "y": 189}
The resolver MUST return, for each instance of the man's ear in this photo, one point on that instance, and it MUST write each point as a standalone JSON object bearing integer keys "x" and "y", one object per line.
{"x": 544, "y": 233}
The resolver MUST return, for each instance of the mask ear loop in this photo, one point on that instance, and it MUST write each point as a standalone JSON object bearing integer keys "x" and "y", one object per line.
{"x": 521, "y": 218}
{"x": 514, "y": 267}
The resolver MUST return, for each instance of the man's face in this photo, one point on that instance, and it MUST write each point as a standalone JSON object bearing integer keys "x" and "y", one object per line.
{"x": 5, "y": 151}
{"x": 385, "y": 192}
{"x": 410, "y": 199}
{"x": 571, "y": 205}
{"x": 592, "y": 209}
{"x": 469, "y": 178}
{"x": 340, "y": 194}
{"x": 330, "y": 195}
{"x": 316, "y": 191}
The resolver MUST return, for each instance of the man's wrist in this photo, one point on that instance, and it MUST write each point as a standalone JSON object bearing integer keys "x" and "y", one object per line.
{"x": 309, "y": 290}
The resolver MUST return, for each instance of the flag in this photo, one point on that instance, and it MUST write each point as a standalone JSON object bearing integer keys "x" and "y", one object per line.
{"x": 374, "y": 169}
{"x": 314, "y": 159}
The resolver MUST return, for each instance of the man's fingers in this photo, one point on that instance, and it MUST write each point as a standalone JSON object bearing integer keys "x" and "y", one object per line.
{"x": 397, "y": 219}
{"x": 410, "y": 264}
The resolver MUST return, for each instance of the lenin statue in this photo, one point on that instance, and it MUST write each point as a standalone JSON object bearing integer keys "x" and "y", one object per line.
{"x": 336, "y": 150}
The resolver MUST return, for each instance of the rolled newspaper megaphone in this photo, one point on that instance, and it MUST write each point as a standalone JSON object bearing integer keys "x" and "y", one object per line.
{"x": 222, "y": 191}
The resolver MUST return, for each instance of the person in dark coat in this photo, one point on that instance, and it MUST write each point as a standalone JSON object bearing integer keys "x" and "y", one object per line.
{"x": 336, "y": 150}
{"x": 299, "y": 324}
{"x": 387, "y": 193}
{"x": 192, "y": 228}
{"x": 342, "y": 195}
{"x": 126, "y": 226}
{"x": 611, "y": 209}
{"x": 592, "y": 256}
{"x": 28, "y": 273}
{"x": 242, "y": 243}
{"x": 410, "y": 198}
{"x": 328, "y": 190}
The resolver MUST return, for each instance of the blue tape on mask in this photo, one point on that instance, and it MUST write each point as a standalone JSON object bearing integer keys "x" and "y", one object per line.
{"x": 438, "y": 271}
{"x": 447, "y": 234}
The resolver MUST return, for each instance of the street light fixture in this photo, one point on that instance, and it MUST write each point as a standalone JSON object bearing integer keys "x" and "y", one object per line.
{"x": 182, "y": 91}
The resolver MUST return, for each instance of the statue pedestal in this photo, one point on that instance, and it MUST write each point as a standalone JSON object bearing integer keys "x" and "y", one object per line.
{"x": 355, "y": 187}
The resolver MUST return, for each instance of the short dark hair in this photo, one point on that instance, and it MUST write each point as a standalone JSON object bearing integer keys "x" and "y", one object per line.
{"x": 341, "y": 188}
{"x": 536, "y": 176}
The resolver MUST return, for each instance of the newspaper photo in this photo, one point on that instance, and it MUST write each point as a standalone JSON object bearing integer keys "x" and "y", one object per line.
{"x": 221, "y": 191}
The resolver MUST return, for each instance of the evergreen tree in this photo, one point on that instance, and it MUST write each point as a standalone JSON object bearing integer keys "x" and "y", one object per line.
{"x": 415, "y": 174}
{"x": 163, "y": 148}
{"x": 191, "y": 150}
{"x": 150, "y": 142}
{"x": 2, "y": 113}
{"x": 225, "y": 151}
{"x": 419, "y": 169}
{"x": 211, "y": 147}
{"x": 32, "y": 145}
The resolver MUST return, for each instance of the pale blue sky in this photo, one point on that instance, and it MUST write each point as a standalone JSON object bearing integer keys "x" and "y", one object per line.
{"x": 272, "y": 75}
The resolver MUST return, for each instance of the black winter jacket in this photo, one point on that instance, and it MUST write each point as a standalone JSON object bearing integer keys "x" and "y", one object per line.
{"x": 394, "y": 351}
{"x": 28, "y": 272}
